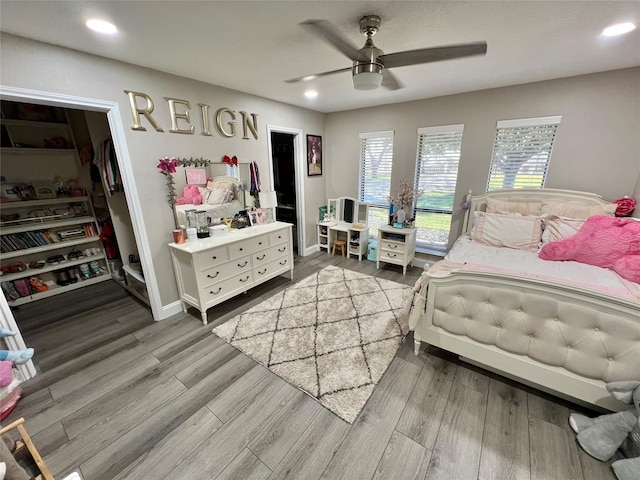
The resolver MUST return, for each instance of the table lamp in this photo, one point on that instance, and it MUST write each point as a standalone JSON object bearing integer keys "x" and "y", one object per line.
{"x": 268, "y": 202}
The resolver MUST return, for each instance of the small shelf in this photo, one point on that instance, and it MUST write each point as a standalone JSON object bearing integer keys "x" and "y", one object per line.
{"x": 40, "y": 203}
{"x": 56, "y": 289}
{"x": 29, "y": 227}
{"x": 49, "y": 267}
{"x": 46, "y": 248}
{"x": 35, "y": 151}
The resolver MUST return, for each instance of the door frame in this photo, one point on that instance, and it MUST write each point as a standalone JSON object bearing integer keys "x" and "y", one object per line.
{"x": 299, "y": 163}
{"x": 124, "y": 164}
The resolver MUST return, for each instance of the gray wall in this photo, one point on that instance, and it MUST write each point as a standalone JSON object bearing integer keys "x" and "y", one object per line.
{"x": 597, "y": 147}
{"x": 38, "y": 66}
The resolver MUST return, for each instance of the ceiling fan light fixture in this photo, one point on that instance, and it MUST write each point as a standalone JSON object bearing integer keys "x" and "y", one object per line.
{"x": 367, "y": 80}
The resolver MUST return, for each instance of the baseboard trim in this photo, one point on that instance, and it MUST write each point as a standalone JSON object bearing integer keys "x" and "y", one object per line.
{"x": 170, "y": 310}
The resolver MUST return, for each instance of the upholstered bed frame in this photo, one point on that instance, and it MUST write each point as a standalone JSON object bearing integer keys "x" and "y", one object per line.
{"x": 559, "y": 338}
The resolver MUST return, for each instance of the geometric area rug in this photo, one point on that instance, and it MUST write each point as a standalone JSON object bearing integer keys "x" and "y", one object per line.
{"x": 332, "y": 335}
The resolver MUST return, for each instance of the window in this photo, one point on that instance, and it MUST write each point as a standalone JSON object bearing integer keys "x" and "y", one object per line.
{"x": 376, "y": 158}
{"x": 436, "y": 173}
{"x": 521, "y": 152}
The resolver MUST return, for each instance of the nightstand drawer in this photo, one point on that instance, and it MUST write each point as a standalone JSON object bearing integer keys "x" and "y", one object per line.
{"x": 230, "y": 285}
{"x": 248, "y": 246}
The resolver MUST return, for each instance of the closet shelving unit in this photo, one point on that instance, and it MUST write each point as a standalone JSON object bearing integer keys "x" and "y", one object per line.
{"x": 35, "y": 229}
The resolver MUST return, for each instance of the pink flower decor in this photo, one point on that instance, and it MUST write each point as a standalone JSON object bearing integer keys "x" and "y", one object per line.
{"x": 168, "y": 165}
{"x": 406, "y": 195}
{"x": 626, "y": 206}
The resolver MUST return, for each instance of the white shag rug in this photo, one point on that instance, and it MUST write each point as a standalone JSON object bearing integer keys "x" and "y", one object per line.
{"x": 332, "y": 335}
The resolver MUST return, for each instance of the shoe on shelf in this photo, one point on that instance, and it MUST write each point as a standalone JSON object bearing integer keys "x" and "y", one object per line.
{"x": 16, "y": 268}
{"x": 53, "y": 260}
{"x": 37, "y": 264}
{"x": 73, "y": 275}
{"x": 62, "y": 278}
{"x": 22, "y": 287}
{"x": 84, "y": 271}
{"x": 37, "y": 285}
{"x": 95, "y": 268}
{"x": 10, "y": 291}
{"x": 61, "y": 258}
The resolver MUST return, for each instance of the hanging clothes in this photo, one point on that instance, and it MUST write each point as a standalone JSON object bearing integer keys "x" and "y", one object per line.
{"x": 107, "y": 166}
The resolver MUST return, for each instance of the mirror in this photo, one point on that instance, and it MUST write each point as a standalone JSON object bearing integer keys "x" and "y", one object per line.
{"x": 223, "y": 197}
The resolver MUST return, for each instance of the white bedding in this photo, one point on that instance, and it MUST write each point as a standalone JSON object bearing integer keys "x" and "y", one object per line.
{"x": 512, "y": 260}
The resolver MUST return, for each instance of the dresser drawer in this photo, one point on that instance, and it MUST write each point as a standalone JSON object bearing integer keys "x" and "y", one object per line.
{"x": 390, "y": 246}
{"x": 213, "y": 292}
{"x": 221, "y": 272}
{"x": 392, "y": 257}
{"x": 281, "y": 236}
{"x": 209, "y": 258}
{"x": 245, "y": 247}
{"x": 264, "y": 271}
{"x": 266, "y": 256}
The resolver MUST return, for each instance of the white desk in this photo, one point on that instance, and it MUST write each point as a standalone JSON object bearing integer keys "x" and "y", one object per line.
{"x": 357, "y": 238}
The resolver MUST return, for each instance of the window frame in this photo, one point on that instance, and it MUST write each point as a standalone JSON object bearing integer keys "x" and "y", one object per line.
{"x": 523, "y": 123}
{"x": 423, "y": 132}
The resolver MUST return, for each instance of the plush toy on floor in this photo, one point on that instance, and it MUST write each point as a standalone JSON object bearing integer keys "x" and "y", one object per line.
{"x": 601, "y": 437}
{"x": 16, "y": 356}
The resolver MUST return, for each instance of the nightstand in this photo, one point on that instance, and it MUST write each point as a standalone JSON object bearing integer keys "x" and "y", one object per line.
{"x": 396, "y": 246}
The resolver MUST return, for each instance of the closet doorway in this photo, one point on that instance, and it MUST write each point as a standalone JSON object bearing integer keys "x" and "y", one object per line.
{"x": 285, "y": 149}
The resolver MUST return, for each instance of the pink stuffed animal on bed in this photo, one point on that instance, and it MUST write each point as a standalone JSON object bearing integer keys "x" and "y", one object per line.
{"x": 190, "y": 195}
{"x": 602, "y": 241}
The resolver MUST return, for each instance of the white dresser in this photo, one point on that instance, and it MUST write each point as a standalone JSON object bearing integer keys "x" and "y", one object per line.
{"x": 396, "y": 245}
{"x": 212, "y": 270}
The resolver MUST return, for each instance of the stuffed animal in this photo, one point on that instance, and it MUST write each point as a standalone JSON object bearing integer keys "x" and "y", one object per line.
{"x": 601, "y": 437}
{"x": 190, "y": 195}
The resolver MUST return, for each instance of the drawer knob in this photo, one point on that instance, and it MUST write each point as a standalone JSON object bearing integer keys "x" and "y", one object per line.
{"x": 214, "y": 257}
{"x": 393, "y": 246}
{"x": 261, "y": 257}
{"x": 262, "y": 272}
{"x": 259, "y": 243}
{"x": 243, "y": 265}
{"x": 216, "y": 292}
{"x": 284, "y": 262}
{"x": 245, "y": 279}
{"x": 282, "y": 249}
{"x": 279, "y": 237}
{"x": 241, "y": 249}
{"x": 213, "y": 276}
{"x": 392, "y": 255}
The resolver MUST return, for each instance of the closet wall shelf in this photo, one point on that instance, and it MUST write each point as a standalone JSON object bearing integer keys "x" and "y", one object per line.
{"x": 40, "y": 203}
{"x": 56, "y": 289}
{"x": 53, "y": 246}
{"x": 35, "y": 151}
{"x": 45, "y": 225}
{"x": 49, "y": 267}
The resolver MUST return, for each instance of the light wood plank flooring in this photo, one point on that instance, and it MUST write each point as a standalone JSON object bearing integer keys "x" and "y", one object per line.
{"x": 122, "y": 397}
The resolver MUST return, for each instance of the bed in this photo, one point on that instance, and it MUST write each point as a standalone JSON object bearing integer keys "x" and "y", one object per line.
{"x": 568, "y": 330}
{"x": 215, "y": 202}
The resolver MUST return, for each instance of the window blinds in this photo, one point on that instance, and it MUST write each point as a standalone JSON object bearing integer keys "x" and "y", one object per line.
{"x": 521, "y": 152}
{"x": 437, "y": 166}
{"x": 376, "y": 158}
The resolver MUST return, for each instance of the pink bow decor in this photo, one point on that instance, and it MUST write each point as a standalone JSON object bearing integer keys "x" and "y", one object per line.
{"x": 230, "y": 161}
{"x": 168, "y": 165}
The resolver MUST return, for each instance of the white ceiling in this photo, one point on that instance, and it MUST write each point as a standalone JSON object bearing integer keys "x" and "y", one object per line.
{"x": 253, "y": 46}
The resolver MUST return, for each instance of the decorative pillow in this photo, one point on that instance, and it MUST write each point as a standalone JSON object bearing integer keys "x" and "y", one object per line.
{"x": 218, "y": 196}
{"x": 190, "y": 195}
{"x": 523, "y": 207}
{"x": 558, "y": 228}
{"x": 223, "y": 184}
{"x": 577, "y": 210}
{"x": 602, "y": 241}
{"x": 522, "y": 232}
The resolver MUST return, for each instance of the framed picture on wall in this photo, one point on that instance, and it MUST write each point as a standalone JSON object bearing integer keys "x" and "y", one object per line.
{"x": 314, "y": 155}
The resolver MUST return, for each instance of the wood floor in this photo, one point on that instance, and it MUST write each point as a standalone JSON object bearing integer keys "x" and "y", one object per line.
{"x": 122, "y": 397}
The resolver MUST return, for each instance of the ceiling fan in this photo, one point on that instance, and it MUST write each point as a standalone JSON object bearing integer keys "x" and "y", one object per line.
{"x": 370, "y": 64}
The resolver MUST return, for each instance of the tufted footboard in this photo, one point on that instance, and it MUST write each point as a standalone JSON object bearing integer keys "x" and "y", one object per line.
{"x": 558, "y": 338}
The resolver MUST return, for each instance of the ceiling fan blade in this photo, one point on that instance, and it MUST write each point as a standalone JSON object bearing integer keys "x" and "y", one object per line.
{"x": 327, "y": 31}
{"x": 390, "y": 81}
{"x": 307, "y": 78}
{"x": 434, "y": 54}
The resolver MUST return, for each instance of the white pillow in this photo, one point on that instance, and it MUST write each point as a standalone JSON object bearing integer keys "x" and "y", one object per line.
{"x": 522, "y": 232}
{"x": 577, "y": 210}
{"x": 558, "y": 228}
{"x": 524, "y": 207}
{"x": 218, "y": 196}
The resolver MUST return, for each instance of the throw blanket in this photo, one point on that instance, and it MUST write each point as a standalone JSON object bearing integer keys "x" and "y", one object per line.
{"x": 606, "y": 242}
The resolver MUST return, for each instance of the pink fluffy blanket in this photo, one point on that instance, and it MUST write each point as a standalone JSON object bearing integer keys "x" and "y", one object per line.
{"x": 602, "y": 241}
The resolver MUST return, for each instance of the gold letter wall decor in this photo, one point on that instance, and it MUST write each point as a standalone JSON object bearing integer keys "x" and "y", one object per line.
{"x": 233, "y": 125}
{"x": 175, "y": 116}
{"x": 146, "y": 111}
{"x": 204, "y": 116}
{"x": 251, "y": 126}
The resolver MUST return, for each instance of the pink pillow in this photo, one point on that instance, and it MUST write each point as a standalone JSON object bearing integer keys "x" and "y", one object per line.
{"x": 607, "y": 242}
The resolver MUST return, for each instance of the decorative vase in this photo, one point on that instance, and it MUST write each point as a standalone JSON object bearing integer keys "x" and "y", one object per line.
{"x": 401, "y": 215}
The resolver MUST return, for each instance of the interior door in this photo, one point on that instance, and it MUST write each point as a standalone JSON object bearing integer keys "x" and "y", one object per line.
{"x": 284, "y": 180}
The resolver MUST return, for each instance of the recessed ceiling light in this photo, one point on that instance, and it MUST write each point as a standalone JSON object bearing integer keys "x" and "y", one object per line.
{"x": 101, "y": 26}
{"x": 619, "y": 29}
{"x": 311, "y": 94}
